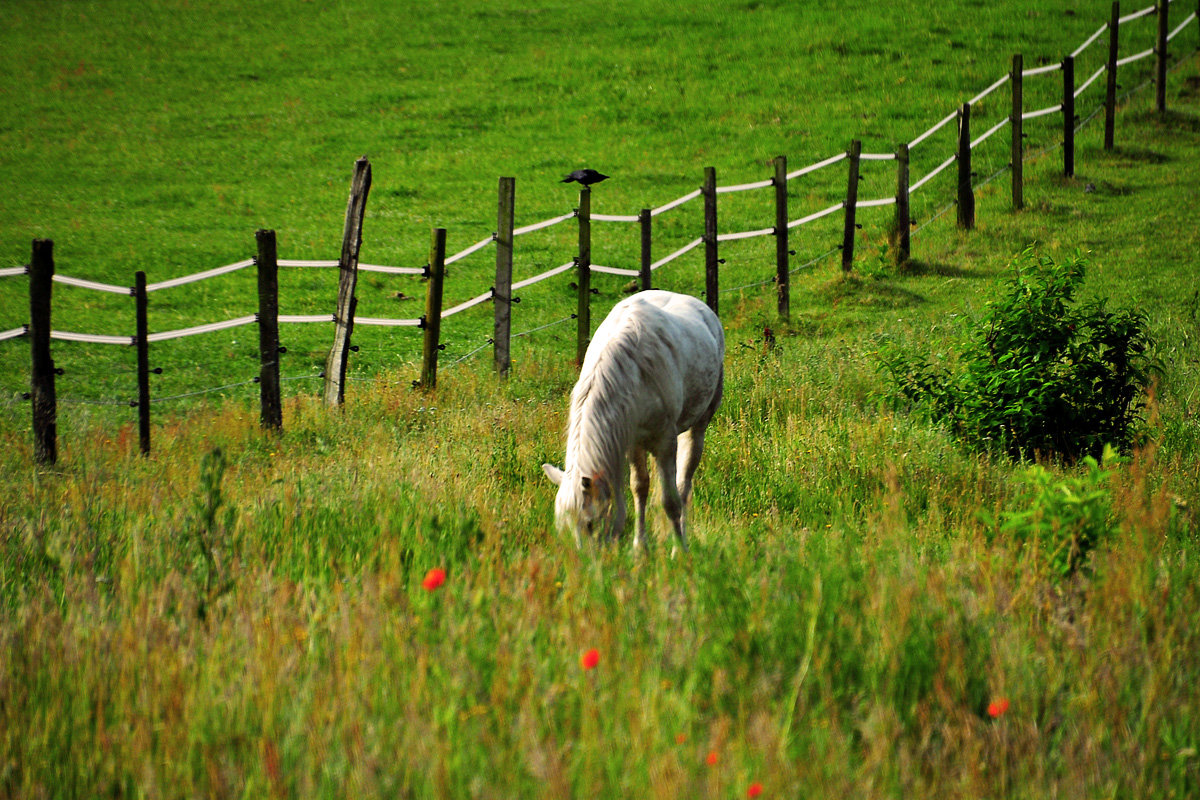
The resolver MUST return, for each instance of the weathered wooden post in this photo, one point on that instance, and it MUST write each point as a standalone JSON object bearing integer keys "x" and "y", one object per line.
{"x": 432, "y": 321}
{"x": 1110, "y": 88}
{"x": 271, "y": 415}
{"x": 851, "y": 207}
{"x": 1160, "y": 50}
{"x": 712, "y": 286}
{"x": 583, "y": 276}
{"x": 902, "y": 226}
{"x": 646, "y": 225}
{"x": 782, "y": 268}
{"x": 502, "y": 291}
{"x": 343, "y": 320}
{"x": 1017, "y": 123}
{"x": 1068, "y": 112}
{"x": 41, "y": 375}
{"x": 142, "y": 342}
{"x": 966, "y": 194}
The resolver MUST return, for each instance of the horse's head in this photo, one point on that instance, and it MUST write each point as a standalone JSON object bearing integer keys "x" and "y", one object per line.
{"x": 585, "y": 503}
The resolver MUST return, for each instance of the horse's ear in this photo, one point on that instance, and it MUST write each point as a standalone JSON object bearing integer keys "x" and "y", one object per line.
{"x": 553, "y": 473}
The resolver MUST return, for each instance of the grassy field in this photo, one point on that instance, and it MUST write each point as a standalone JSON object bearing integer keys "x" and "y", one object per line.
{"x": 849, "y": 622}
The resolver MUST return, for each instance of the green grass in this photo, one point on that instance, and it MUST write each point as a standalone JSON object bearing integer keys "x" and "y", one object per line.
{"x": 846, "y": 614}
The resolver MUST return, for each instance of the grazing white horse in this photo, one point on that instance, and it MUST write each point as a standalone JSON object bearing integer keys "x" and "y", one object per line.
{"x": 651, "y": 381}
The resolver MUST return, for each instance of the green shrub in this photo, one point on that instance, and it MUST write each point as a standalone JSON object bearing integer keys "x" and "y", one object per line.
{"x": 1065, "y": 518}
{"x": 1041, "y": 374}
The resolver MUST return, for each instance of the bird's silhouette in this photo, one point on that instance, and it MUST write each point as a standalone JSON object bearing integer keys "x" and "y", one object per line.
{"x": 585, "y": 176}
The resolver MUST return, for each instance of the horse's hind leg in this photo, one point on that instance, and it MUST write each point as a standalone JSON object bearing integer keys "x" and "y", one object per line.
{"x": 639, "y": 481}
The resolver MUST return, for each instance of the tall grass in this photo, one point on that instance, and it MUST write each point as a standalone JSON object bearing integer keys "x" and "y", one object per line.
{"x": 847, "y": 622}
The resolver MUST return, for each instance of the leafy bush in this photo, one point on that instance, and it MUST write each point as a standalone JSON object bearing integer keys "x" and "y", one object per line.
{"x": 1064, "y": 518}
{"x": 1041, "y": 374}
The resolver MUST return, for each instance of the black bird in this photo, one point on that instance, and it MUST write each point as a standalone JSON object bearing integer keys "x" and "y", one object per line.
{"x": 585, "y": 176}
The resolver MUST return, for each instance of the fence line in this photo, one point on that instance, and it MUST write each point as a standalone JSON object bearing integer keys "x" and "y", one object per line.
{"x": 852, "y": 203}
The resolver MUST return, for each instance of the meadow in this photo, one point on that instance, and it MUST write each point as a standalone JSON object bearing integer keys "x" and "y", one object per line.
{"x": 244, "y": 614}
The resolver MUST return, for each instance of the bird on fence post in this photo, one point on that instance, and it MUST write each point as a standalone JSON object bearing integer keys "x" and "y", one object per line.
{"x": 585, "y": 176}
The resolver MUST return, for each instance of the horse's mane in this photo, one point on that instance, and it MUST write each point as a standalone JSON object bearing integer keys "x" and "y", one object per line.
{"x": 602, "y": 404}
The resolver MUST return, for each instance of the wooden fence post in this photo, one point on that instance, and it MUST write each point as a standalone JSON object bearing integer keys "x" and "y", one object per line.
{"x": 583, "y": 276}
{"x": 142, "y": 342}
{"x": 1068, "y": 112}
{"x": 966, "y": 194}
{"x": 41, "y": 375}
{"x": 343, "y": 320}
{"x": 646, "y": 225}
{"x": 432, "y": 321}
{"x": 712, "y": 285}
{"x": 502, "y": 292}
{"x": 902, "y": 233}
{"x": 1017, "y": 123}
{"x": 851, "y": 207}
{"x": 1110, "y": 89}
{"x": 271, "y": 415}
{"x": 1160, "y": 49}
{"x": 782, "y": 268}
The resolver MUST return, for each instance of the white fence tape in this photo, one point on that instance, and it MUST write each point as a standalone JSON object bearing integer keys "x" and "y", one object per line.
{"x": 883, "y": 201}
{"x": 989, "y": 132}
{"x": 306, "y": 318}
{"x": 96, "y": 285}
{"x": 482, "y": 243}
{"x": 654, "y": 212}
{"x": 294, "y": 262}
{"x": 391, "y": 270}
{"x": 1182, "y": 26}
{"x": 945, "y": 121}
{"x": 928, "y": 177}
{"x": 90, "y": 338}
{"x": 543, "y": 276}
{"x": 1029, "y": 73}
{"x": 474, "y": 301}
{"x": 669, "y": 258}
{"x": 989, "y": 89}
{"x": 743, "y": 187}
{"x": 14, "y": 333}
{"x": 1135, "y": 57}
{"x": 1041, "y": 112}
{"x": 796, "y": 223}
{"x": 877, "y": 156}
{"x": 814, "y": 167}
{"x": 199, "y": 276}
{"x": 1091, "y": 80}
{"x": 729, "y": 237}
{"x": 1137, "y": 15}
{"x": 614, "y": 218}
{"x": 209, "y": 328}
{"x": 615, "y": 270}
{"x": 1099, "y": 31}
{"x": 9, "y": 272}
{"x": 388, "y": 323}
{"x": 537, "y": 226}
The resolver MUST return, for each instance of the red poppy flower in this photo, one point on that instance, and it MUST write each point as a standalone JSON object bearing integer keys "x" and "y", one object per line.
{"x": 997, "y": 707}
{"x": 434, "y": 579}
{"x": 755, "y": 790}
{"x": 711, "y": 758}
{"x": 590, "y": 659}
{"x": 680, "y": 738}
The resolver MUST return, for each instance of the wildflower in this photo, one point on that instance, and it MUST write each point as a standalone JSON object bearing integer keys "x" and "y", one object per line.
{"x": 590, "y": 659}
{"x": 680, "y": 738}
{"x": 434, "y": 579}
{"x": 755, "y": 790}
{"x": 997, "y": 707}
{"x": 711, "y": 758}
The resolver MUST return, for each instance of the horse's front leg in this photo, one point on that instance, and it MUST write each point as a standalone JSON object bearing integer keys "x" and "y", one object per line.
{"x": 672, "y": 502}
{"x": 639, "y": 481}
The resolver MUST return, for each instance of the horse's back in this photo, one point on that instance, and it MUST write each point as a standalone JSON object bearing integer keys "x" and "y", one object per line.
{"x": 679, "y": 345}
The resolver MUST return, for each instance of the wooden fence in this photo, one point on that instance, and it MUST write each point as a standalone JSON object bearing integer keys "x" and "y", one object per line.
{"x": 501, "y": 294}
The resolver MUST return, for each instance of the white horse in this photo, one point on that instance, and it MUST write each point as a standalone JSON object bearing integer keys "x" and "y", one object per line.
{"x": 651, "y": 381}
